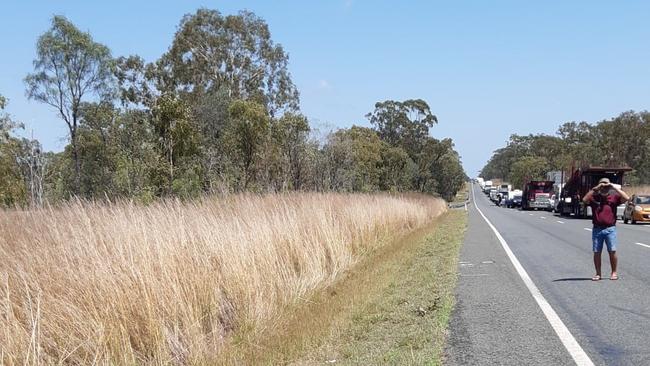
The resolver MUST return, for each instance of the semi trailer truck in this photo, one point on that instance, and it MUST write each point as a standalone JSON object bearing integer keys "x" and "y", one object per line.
{"x": 580, "y": 182}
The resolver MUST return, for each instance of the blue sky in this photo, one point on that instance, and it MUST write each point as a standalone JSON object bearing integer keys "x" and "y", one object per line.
{"x": 487, "y": 68}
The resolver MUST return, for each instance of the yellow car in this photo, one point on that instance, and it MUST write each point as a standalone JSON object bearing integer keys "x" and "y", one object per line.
{"x": 637, "y": 209}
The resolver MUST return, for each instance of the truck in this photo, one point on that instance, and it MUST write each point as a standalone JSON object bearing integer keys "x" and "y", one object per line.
{"x": 504, "y": 190}
{"x": 580, "y": 181}
{"x": 487, "y": 186}
{"x": 537, "y": 195}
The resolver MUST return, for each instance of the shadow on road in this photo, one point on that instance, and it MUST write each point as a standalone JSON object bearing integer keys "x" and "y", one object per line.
{"x": 573, "y": 279}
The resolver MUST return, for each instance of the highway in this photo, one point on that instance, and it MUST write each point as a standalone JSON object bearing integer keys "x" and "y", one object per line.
{"x": 497, "y": 321}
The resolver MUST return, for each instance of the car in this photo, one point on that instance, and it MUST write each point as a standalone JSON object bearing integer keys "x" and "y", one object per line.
{"x": 514, "y": 200}
{"x": 637, "y": 209}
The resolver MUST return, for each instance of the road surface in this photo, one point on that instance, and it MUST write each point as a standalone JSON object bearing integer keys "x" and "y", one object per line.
{"x": 498, "y": 322}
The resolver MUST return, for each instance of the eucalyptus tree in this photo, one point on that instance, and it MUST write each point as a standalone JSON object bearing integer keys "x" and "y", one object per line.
{"x": 213, "y": 52}
{"x": 404, "y": 124}
{"x": 70, "y": 67}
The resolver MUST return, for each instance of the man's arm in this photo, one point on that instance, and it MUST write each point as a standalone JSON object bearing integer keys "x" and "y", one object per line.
{"x": 624, "y": 196}
{"x": 587, "y": 198}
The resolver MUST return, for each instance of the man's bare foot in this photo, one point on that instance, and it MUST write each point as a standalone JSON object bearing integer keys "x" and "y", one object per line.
{"x": 614, "y": 276}
{"x": 596, "y": 278}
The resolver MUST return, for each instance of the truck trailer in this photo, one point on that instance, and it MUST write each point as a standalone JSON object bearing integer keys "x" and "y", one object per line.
{"x": 537, "y": 195}
{"x": 580, "y": 182}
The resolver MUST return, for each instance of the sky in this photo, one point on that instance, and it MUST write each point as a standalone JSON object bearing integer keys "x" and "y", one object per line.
{"x": 488, "y": 69}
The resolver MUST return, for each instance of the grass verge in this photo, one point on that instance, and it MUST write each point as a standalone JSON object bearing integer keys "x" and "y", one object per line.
{"x": 392, "y": 308}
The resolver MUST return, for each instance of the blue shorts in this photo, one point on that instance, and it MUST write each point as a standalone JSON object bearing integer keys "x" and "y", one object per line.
{"x": 607, "y": 235}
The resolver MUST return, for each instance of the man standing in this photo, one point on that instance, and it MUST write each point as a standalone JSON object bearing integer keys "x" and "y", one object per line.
{"x": 603, "y": 200}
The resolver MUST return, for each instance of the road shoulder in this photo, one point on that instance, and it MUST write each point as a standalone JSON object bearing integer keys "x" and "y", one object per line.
{"x": 495, "y": 319}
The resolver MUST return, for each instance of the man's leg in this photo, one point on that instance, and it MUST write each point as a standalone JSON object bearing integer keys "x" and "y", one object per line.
{"x": 597, "y": 247}
{"x": 613, "y": 261}
{"x": 611, "y": 241}
{"x": 597, "y": 262}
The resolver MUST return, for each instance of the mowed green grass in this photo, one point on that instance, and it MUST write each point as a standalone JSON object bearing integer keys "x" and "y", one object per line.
{"x": 405, "y": 321}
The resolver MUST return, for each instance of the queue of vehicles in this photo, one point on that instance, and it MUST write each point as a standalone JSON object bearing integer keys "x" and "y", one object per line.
{"x": 564, "y": 196}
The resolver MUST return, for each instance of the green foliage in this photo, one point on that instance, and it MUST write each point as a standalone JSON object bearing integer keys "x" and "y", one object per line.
{"x": 404, "y": 124}
{"x": 622, "y": 140}
{"x": 396, "y": 169}
{"x": 179, "y": 144}
{"x": 69, "y": 66}
{"x": 526, "y": 169}
{"x": 218, "y": 112}
{"x": 213, "y": 52}
{"x": 354, "y": 159}
{"x": 246, "y": 135}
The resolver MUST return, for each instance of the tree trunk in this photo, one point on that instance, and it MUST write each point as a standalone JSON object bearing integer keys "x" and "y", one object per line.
{"x": 77, "y": 162}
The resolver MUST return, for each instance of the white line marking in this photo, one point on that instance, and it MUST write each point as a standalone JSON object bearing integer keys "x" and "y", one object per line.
{"x": 543, "y": 218}
{"x": 643, "y": 245}
{"x": 560, "y": 222}
{"x": 530, "y": 214}
{"x": 588, "y": 229}
{"x": 579, "y": 356}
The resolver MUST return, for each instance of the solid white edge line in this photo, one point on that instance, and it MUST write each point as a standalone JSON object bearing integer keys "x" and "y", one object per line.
{"x": 643, "y": 245}
{"x": 577, "y": 353}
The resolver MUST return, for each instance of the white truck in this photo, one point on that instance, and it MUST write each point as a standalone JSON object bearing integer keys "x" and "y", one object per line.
{"x": 487, "y": 186}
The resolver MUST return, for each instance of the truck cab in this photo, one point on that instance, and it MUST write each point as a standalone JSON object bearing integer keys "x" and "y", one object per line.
{"x": 537, "y": 195}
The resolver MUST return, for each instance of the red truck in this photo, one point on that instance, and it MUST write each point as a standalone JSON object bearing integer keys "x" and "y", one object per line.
{"x": 537, "y": 195}
{"x": 580, "y": 182}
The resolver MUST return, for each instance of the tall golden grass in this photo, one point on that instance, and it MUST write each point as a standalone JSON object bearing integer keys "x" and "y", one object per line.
{"x": 170, "y": 283}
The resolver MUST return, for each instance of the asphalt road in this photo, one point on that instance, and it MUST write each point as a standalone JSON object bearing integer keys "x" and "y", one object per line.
{"x": 496, "y": 320}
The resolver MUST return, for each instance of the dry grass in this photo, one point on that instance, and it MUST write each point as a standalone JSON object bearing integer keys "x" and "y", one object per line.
{"x": 171, "y": 282}
{"x": 637, "y": 189}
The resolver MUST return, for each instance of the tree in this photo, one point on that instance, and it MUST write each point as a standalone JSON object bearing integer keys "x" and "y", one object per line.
{"x": 179, "y": 142}
{"x": 70, "y": 67}
{"x": 354, "y": 159}
{"x": 290, "y": 135}
{"x": 427, "y": 161}
{"x": 397, "y": 170}
{"x": 12, "y": 190}
{"x": 528, "y": 168}
{"x": 448, "y": 175}
{"x": 404, "y": 124}
{"x": 246, "y": 135}
{"x": 212, "y": 52}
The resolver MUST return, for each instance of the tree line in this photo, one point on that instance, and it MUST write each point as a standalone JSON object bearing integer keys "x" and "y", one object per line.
{"x": 217, "y": 113}
{"x": 622, "y": 140}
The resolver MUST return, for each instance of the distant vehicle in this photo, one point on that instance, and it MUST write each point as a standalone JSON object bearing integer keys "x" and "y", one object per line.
{"x": 514, "y": 199}
{"x": 480, "y": 182}
{"x": 487, "y": 185}
{"x": 537, "y": 195}
{"x": 637, "y": 209}
{"x": 493, "y": 194}
{"x": 581, "y": 181}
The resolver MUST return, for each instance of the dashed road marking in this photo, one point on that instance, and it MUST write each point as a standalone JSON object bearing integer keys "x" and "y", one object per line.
{"x": 530, "y": 214}
{"x": 578, "y": 354}
{"x": 543, "y": 218}
{"x": 588, "y": 229}
{"x": 560, "y": 222}
{"x": 643, "y": 245}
